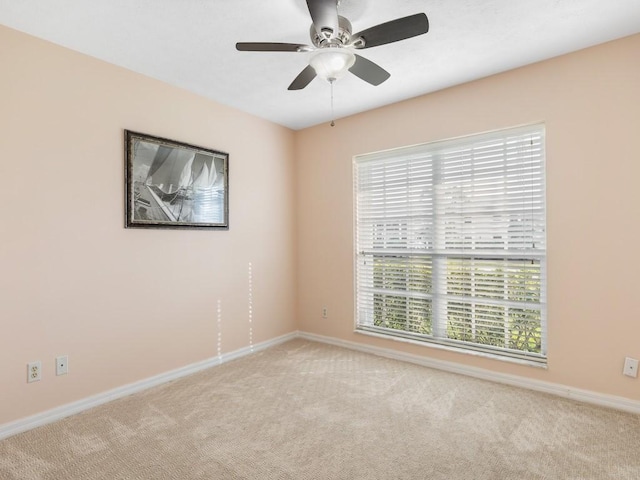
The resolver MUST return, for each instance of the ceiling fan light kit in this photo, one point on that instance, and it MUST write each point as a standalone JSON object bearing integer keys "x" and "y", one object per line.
{"x": 333, "y": 45}
{"x": 332, "y": 63}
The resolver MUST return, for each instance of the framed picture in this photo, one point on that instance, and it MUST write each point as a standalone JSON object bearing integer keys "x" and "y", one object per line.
{"x": 171, "y": 184}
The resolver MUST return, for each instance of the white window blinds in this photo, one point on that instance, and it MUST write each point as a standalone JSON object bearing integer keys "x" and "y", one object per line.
{"x": 450, "y": 242}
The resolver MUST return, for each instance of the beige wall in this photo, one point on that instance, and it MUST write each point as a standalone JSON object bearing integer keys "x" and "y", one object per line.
{"x": 590, "y": 103}
{"x": 125, "y": 304}
{"x": 129, "y": 304}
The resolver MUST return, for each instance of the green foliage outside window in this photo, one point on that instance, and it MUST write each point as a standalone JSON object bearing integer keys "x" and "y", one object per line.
{"x": 397, "y": 310}
{"x": 476, "y": 293}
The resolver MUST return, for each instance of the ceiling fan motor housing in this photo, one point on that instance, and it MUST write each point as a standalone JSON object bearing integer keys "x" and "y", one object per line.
{"x": 326, "y": 38}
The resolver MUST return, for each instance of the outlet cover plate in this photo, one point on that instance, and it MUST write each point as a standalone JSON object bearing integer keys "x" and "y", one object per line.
{"x": 34, "y": 371}
{"x": 630, "y": 367}
{"x": 62, "y": 365}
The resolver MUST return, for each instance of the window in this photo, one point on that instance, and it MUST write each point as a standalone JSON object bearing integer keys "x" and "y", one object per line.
{"x": 450, "y": 243}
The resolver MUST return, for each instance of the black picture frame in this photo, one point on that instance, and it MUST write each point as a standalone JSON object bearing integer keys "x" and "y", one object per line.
{"x": 172, "y": 184}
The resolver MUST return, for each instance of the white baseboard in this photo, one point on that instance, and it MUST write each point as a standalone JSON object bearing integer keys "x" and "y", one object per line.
{"x": 586, "y": 396}
{"x": 63, "y": 411}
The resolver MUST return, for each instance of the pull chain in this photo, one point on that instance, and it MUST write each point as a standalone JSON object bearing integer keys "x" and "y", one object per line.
{"x": 333, "y": 124}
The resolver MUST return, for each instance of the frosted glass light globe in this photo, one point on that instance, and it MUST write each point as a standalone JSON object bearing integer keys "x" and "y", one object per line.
{"x": 332, "y": 63}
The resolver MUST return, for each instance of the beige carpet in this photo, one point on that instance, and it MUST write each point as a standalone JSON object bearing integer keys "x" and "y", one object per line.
{"x": 304, "y": 410}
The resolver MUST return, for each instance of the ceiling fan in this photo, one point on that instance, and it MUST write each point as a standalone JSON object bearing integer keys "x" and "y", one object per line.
{"x": 332, "y": 52}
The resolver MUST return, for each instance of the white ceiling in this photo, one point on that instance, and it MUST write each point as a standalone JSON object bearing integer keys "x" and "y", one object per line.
{"x": 191, "y": 44}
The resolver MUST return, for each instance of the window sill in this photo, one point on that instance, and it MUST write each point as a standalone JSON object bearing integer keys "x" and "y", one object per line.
{"x": 542, "y": 363}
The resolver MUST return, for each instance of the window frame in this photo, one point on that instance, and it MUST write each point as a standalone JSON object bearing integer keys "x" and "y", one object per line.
{"x": 437, "y": 338}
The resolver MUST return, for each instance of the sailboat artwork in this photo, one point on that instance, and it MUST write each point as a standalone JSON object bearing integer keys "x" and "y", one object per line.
{"x": 173, "y": 184}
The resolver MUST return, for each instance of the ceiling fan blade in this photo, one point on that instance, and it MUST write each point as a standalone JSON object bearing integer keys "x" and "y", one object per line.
{"x": 368, "y": 71}
{"x": 324, "y": 14}
{"x": 393, "y": 31}
{"x": 271, "y": 47}
{"x": 303, "y": 79}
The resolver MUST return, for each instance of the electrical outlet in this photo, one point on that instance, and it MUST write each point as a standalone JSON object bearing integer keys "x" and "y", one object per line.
{"x": 62, "y": 365}
{"x": 630, "y": 367}
{"x": 324, "y": 312}
{"x": 34, "y": 371}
